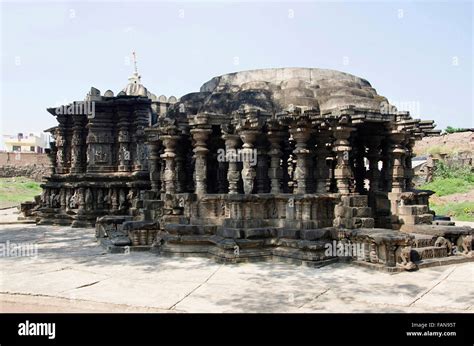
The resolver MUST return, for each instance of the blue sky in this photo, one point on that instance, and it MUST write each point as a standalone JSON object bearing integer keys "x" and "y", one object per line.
{"x": 417, "y": 54}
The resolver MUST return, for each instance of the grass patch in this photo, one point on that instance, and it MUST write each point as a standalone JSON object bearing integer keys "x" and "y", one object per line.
{"x": 18, "y": 189}
{"x": 448, "y": 180}
{"x": 463, "y": 211}
{"x": 448, "y": 186}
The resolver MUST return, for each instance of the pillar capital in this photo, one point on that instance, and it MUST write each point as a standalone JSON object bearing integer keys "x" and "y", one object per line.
{"x": 248, "y": 137}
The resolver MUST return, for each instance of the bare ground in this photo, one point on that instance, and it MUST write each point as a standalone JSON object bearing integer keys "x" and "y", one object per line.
{"x": 454, "y": 198}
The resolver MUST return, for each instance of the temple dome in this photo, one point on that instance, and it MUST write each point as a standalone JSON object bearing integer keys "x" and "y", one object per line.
{"x": 277, "y": 89}
{"x": 135, "y": 87}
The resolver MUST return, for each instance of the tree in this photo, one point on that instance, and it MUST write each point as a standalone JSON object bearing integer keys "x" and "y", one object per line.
{"x": 451, "y": 129}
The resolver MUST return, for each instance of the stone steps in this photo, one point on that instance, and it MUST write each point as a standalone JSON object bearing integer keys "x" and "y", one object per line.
{"x": 428, "y": 252}
{"x": 414, "y": 209}
{"x": 426, "y": 219}
{"x": 415, "y": 214}
{"x": 180, "y": 229}
{"x": 247, "y": 233}
{"x": 424, "y": 248}
{"x": 422, "y": 240}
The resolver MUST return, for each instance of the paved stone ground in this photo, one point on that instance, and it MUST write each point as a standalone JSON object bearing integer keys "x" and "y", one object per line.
{"x": 71, "y": 273}
{"x": 9, "y": 214}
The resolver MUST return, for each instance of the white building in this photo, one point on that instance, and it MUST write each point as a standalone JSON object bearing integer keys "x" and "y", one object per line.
{"x": 26, "y": 143}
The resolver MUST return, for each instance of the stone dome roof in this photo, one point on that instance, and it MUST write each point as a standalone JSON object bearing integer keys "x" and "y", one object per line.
{"x": 135, "y": 87}
{"x": 277, "y": 89}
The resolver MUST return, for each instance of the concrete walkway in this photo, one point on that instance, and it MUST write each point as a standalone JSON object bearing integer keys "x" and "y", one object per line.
{"x": 71, "y": 273}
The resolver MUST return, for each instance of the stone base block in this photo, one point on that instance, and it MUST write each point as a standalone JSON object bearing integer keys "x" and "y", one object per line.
{"x": 423, "y": 253}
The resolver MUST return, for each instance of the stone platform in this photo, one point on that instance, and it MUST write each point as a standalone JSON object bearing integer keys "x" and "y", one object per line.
{"x": 72, "y": 273}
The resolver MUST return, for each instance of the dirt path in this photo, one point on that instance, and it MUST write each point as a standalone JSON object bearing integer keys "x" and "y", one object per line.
{"x": 454, "y": 198}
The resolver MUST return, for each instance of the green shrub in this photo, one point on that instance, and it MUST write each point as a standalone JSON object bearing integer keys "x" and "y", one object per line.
{"x": 463, "y": 211}
{"x": 444, "y": 171}
{"x": 451, "y": 129}
{"x": 448, "y": 180}
{"x": 448, "y": 186}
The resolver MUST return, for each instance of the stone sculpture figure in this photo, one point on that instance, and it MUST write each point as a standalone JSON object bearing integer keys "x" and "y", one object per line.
{"x": 44, "y": 197}
{"x": 373, "y": 256}
{"x": 52, "y": 197}
{"x": 405, "y": 255}
{"x": 107, "y": 199}
{"x": 122, "y": 200}
{"x": 73, "y": 200}
{"x": 89, "y": 199}
{"x": 443, "y": 242}
{"x": 131, "y": 196}
{"x": 100, "y": 198}
{"x": 464, "y": 245}
{"x": 248, "y": 175}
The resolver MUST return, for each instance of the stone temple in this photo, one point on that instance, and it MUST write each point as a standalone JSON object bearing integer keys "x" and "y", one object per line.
{"x": 284, "y": 163}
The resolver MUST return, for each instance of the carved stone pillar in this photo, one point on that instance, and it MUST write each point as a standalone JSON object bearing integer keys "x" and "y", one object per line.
{"x": 162, "y": 170}
{"x": 77, "y": 144}
{"x": 99, "y": 142}
{"x": 275, "y": 172}
{"x": 310, "y": 167}
{"x": 385, "y": 175}
{"x": 248, "y": 171}
{"x": 409, "y": 172}
{"x": 323, "y": 180}
{"x": 286, "y": 150}
{"x": 114, "y": 199}
{"x": 222, "y": 183}
{"x": 62, "y": 198}
{"x": 301, "y": 136}
{"x": 262, "y": 168}
{"x": 169, "y": 142}
{"x": 359, "y": 168}
{"x": 154, "y": 166}
{"x": 60, "y": 142}
{"x": 397, "y": 152}
{"x": 124, "y": 155}
{"x": 140, "y": 122}
{"x": 180, "y": 168}
{"x": 343, "y": 172}
{"x": 374, "y": 156}
{"x": 52, "y": 157}
{"x": 81, "y": 200}
{"x": 391, "y": 260}
{"x": 233, "y": 174}
{"x": 200, "y": 150}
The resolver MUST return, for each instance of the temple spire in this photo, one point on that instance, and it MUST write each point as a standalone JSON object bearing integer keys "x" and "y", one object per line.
{"x": 134, "y": 86}
{"x": 135, "y": 78}
{"x": 135, "y": 62}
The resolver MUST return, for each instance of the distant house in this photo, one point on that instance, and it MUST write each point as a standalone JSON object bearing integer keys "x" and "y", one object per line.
{"x": 30, "y": 143}
{"x": 419, "y": 169}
